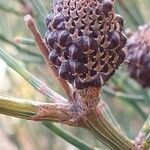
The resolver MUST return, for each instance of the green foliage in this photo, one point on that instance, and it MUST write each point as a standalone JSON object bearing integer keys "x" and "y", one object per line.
{"x": 129, "y": 102}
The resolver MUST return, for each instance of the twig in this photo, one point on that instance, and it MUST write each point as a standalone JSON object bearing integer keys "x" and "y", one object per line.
{"x": 101, "y": 128}
{"x": 36, "y": 83}
{"x": 67, "y": 113}
{"x": 25, "y": 41}
{"x": 107, "y": 113}
{"x": 131, "y": 97}
{"x": 27, "y": 109}
{"x": 44, "y": 50}
{"x": 95, "y": 120}
{"x": 142, "y": 141}
{"x": 56, "y": 112}
{"x": 79, "y": 111}
{"x": 38, "y": 111}
{"x": 22, "y": 49}
{"x": 73, "y": 140}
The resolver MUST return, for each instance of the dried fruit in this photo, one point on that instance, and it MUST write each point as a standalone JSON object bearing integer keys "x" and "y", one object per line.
{"x": 139, "y": 56}
{"x": 85, "y": 41}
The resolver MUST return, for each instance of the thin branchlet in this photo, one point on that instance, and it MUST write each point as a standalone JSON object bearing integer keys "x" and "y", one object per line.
{"x": 44, "y": 50}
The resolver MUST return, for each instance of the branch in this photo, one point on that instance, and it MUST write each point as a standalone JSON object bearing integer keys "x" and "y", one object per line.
{"x": 126, "y": 96}
{"x": 26, "y": 109}
{"x": 142, "y": 141}
{"x": 95, "y": 118}
{"x": 38, "y": 111}
{"x": 63, "y": 113}
{"x": 106, "y": 133}
{"x": 17, "y": 107}
{"x": 44, "y": 50}
{"x": 25, "y": 41}
{"x": 36, "y": 83}
{"x": 103, "y": 107}
{"x": 70, "y": 138}
{"x": 22, "y": 49}
{"x": 56, "y": 112}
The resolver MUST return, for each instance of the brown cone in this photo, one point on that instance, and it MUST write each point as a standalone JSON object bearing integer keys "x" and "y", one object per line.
{"x": 139, "y": 56}
{"x": 85, "y": 41}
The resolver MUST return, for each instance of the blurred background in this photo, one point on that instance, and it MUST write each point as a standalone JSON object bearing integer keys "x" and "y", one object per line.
{"x": 128, "y": 101}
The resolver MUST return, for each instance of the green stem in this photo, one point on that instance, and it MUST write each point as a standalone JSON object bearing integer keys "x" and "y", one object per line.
{"x": 146, "y": 95}
{"x": 143, "y": 138}
{"x": 27, "y": 59}
{"x": 137, "y": 98}
{"x": 100, "y": 127}
{"x": 36, "y": 83}
{"x": 109, "y": 116}
{"x": 66, "y": 136}
{"x": 138, "y": 109}
{"x": 17, "y": 107}
{"x": 127, "y": 11}
{"x": 124, "y": 87}
{"x": 25, "y": 41}
{"x": 25, "y": 109}
{"x": 3, "y": 38}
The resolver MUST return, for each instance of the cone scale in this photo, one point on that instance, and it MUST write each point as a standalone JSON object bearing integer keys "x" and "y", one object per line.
{"x": 85, "y": 41}
{"x": 139, "y": 56}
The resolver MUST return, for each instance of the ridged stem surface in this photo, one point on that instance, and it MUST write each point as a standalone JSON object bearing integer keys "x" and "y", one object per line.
{"x": 94, "y": 119}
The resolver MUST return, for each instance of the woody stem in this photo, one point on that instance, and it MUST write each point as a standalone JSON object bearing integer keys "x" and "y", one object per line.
{"x": 93, "y": 118}
{"x": 44, "y": 50}
{"x": 106, "y": 133}
{"x": 38, "y": 111}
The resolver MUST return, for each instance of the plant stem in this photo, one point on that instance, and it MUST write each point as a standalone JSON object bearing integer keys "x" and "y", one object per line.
{"x": 143, "y": 139}
{"x": 100, "y": 127}
{"x": 136, "y": 98}
{"x": 146, "y": 95}
{"x": 38, "y": 111}
{"x": 24, "y": 50}
{"x": 73, "y": 140}
{"x": 134, "y": 20}
{"x": 45, "y": 52}
{"x": 125, "y": 87}
{"x": 25, "y": 41}
{"x": 17, "y": 107}
{"x": 26, "y": 109}
{"x": 36, "y": 83}
{"x": 138, "y": 109}
{"x": 93, "y": 118}
{"x": 109, "y": 116}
